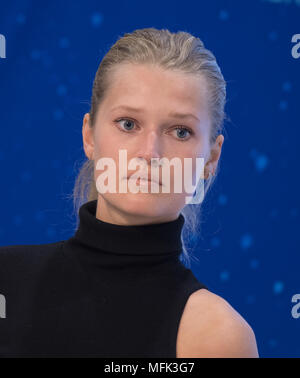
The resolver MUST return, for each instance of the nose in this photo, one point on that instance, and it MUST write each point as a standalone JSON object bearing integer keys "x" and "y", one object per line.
{"x": 150, "y": 147}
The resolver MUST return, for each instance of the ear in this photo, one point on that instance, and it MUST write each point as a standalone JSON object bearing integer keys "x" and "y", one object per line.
{"x": 88, "y": 138}
{"x": 215, "y": 153}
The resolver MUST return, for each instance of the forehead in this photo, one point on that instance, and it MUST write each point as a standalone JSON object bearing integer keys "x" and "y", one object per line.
{"x": 153, "y": 88}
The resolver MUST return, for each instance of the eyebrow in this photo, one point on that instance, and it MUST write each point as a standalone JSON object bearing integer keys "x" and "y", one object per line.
{"x": 172, "y": 114}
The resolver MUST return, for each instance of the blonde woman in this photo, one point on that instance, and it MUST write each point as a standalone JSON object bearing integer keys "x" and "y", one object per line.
{"x": 118, "y": 286}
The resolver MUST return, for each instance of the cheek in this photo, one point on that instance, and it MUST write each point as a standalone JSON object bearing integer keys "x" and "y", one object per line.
{"x": 190, "y": 170}
{"x": 105, "y": 145}
{"x": 108, "y": 141}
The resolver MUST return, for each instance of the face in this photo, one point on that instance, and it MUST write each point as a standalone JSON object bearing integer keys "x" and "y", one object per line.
{"x": 138, "y": 115}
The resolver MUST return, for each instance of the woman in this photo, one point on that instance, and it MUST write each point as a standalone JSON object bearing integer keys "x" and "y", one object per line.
{"x": 118, "y": 288}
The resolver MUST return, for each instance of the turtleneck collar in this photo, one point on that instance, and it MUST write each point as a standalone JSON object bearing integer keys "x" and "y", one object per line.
{"x": 151, "y": 239}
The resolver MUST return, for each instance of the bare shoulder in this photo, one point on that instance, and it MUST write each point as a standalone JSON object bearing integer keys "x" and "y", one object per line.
{"x": 211, "y": 327}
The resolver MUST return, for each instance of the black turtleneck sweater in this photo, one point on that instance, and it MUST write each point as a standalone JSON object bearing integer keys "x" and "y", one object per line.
{"x": 108, "y": 291}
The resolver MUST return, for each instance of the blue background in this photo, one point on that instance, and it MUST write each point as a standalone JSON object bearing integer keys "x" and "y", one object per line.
{"x": 248, "y": 249}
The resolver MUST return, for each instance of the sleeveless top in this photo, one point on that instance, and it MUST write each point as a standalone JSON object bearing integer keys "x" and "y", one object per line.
{"x": 108, "y": 291}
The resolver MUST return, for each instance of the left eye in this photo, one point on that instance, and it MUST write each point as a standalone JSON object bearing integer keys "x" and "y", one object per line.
{"x": 181, "y": 132}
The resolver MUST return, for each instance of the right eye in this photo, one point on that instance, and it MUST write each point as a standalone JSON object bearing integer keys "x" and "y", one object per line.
{"x": 127, "y": 125}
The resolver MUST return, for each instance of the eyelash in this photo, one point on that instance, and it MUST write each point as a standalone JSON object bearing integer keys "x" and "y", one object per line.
{"x": 175, "y": 128}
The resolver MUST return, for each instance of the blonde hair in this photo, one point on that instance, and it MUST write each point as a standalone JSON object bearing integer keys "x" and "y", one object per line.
{"x": 174, "y": 51}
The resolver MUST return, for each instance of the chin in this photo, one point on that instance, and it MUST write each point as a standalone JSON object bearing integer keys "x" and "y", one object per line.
{"x": 142, "y": 204}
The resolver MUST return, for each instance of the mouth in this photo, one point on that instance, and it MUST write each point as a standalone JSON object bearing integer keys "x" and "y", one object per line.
{"x": 145, "y": 180}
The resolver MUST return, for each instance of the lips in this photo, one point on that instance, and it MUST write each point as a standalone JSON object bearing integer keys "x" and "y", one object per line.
{"x": 147, "y": 179}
